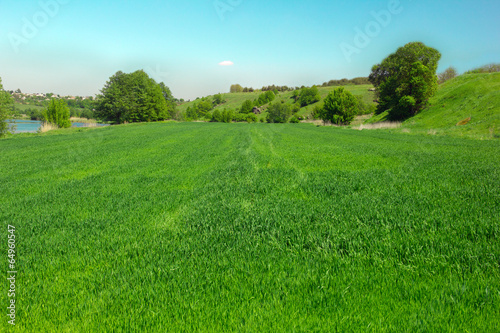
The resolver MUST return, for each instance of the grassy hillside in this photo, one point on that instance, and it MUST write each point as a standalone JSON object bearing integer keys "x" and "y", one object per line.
{"x": 235, "y": 100}
{"x": 187, "y": 227}
{"x": 471, "y": 95}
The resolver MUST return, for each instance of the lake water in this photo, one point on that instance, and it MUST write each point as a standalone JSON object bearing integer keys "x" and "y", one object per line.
{"x": 31, "y": 126}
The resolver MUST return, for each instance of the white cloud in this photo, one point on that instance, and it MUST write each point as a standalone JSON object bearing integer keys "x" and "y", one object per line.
{"x": 226, "y": 63}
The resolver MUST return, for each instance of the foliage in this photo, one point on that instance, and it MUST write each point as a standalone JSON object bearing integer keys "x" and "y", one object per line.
{"x": 294, "y": 120}
{"x": 218, "y": 99}
{"x": 345, "y": 82}
{"x": 236, "y": 88}
{"x": 279, "y": 112}
{"x": 491, "y": 68}
{"x": 241, "y": 117}
{"x": 316, "y": 111}
{"x": 265, "y": 98}
{"x": 339, "y": 107}
{"x": 363, "y": 107}
{"x": 276, "y": 89}
{"x": 134, "y": 97}
{"x": 227, "y": 115}
{"x": 247, "y": 107}
{"x": 272, "y": 228}
{"x": 448, "y": 74}
{"x": 406, "y": 79}
{"x": 216, "y": 116}
{"x": 57, "y": 113}
{"x": 170, "y": 99}
{"x": 309, "y": 96}
{"x": 5, "y": 104}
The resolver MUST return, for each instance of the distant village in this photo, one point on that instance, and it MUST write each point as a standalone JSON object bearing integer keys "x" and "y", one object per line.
{"x": 21, "y": 97}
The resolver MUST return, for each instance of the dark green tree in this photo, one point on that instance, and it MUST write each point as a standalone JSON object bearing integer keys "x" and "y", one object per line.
{"x": 5, "y": 103}
{"x": 339, "y": 107}
{"x": 133, "y": 97}
{"x": 279, "y": 112}
{"x": 405, "y": 80}
{"x": 57, "y": 113}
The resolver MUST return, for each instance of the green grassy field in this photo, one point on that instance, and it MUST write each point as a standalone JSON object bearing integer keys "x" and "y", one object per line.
{"x": 194, "y": 227}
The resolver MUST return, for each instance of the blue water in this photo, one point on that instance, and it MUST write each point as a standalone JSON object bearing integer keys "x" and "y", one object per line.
{"x": 31, "y": 126}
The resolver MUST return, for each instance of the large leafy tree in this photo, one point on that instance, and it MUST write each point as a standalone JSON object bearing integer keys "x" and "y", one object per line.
{"x": 57, "y": 113}
{"x": 406, "y": 79}
{"x": 134, "y": 97}
{"x": 339, "y": 107}
{"x": 5, "y": 101}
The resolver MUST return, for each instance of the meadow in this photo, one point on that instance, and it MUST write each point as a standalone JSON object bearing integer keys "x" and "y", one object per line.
{"x": 198, "y": 227}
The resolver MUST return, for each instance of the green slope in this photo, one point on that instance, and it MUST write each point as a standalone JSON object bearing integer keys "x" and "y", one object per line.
{"x": 235, "y": 100}
{"x": 473, "y": 95}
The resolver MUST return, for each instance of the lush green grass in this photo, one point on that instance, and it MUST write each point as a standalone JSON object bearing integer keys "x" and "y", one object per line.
{"x": 235, "y": 100}
{"x": 472, "y": 95}
{"x": 251, "y": 227}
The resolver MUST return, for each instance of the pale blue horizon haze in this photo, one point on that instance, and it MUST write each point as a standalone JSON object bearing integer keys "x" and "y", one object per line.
{"x": 72, "y": 47}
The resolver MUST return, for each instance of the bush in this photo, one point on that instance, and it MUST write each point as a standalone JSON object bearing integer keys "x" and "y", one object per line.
{"x": 309, "y": 96}
{"x": 57, "y": 113}
{"x": 227, "y": 116}
{"x": 316, "y": 111}
{"x": 279, "y": 113}
{"x": 265, "y": 98}
{"x": 5, "y": 102}
{"x": 246, "y": 107}
{"x": 448, "y": 74}
{"x": 294, "y": 120}
{"x": 216, "y": 117}
{"x": 363, "y": 107}
{"x": 218, "y": 99}
{"x": 491, "y": 68}
{"x": 340, "y": 107}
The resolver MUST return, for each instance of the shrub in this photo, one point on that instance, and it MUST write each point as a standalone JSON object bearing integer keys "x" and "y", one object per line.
{"x": 363, "y": 107}
{"x": 246, "y": 107}
{"x": 448, "y": 74}
{"x": 279, "y": 113}
{"x": 5, "y": 102}
{"x": 309, "y": 96}
{"x": 57, "y": 113}
{"x": 294, "y": 120}
{"x": 216, "y": 117}
{"x": 339, "y": 107}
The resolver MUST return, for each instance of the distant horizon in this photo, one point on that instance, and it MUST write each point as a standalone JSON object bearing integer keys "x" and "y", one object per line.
{"x": 199, "y": 48}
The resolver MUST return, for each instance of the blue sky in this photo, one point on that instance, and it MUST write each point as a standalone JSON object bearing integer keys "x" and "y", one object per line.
{"x": 72, "y": 47}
